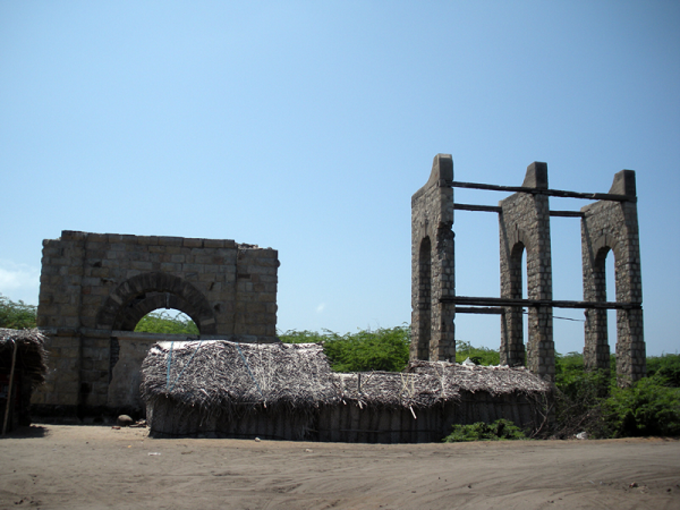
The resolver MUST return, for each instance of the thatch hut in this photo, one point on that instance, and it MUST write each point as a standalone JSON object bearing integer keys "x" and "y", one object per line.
{"x": 287, "y": 391}
{"x": 23, "y": 361}
{"x": 232, "y": 389}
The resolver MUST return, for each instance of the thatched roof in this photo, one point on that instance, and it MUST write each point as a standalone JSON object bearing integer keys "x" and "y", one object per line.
{"x": 218, "y": 374}
{"x": 388, "y": 389}
{"x": 31, "y": 355}
{"x": 493, "y": 380}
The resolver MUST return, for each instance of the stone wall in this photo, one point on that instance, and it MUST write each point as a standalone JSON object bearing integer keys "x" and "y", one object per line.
{"x": 432, "y": 265}
{"x": 524, "y": 224}
{"x": 608, "y": 225}
{"x": 95, "y": 286}
{"x": 613, "y": 226}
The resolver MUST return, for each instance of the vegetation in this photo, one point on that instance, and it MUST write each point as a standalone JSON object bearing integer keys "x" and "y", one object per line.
{"x": 16, "y": 315}
{"x": 384, "y": 349}
{"x": 478, "y": 355}
{"x": 584, "y": 401}
{"x": 667, "y": 367}
{"x": 593, "y": 402}
{"x": 500, "y": 430}
{"x": 163, "y": 322}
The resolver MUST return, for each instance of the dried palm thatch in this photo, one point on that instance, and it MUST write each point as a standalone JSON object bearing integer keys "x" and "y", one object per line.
{"x": 218, "y": 375}
{"x": 287, "y": 391}
{"x": 31, "y": 355}
{"x": 395, "y": 390}
{"x": 498, "y": 380}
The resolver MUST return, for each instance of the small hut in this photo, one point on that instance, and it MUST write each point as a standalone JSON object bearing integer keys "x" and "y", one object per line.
{"x": 23, "y": 365}
{"x": 221, "y": 388}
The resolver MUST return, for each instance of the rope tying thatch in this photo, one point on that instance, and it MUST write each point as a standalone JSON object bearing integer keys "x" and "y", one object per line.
{"x": 226, "y": 374}
{"x": 250, "y": 372}
{"x": 170, "y": 387}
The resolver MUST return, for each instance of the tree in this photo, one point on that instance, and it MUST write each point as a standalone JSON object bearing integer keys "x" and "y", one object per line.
{"x": 16, "y": 315}
{"x": 163, "y": 322}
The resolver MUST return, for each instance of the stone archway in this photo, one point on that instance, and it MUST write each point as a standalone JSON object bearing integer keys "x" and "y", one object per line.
{"x": 96, "y": 287}
{"x": 141, "y": 294}
{"x": 432, "y": 276}
{"x": 605, "y": 226}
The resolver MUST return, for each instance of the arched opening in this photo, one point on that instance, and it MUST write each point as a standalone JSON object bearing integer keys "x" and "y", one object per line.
{"x": 145, "y": 303}
{"x": 144, "y": 293}
{"x": 424, "y": 299}
{"x": 597, "y": 351}
{"x": 513, "y": 318}
{"x": 524, "y": 294}
{"x": 611, "y": 294}
{"x": 167, "y": 321}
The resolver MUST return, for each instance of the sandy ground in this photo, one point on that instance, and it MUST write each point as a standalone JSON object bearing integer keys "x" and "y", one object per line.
{"x": 74, "y": 467}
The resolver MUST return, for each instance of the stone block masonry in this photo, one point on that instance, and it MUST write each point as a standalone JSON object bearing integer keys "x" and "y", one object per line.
{"x": 609, "y": 224}
{"x": 94, "y": 287}
{"x": 432, "y": 265}
{"x": 524, "y": 224}
{"x": 613, "y": 227}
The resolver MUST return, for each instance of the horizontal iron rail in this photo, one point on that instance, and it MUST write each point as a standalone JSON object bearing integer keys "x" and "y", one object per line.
{"x": 496, "y": 209}
{"x": 473, "y": 207}
{"x": 539, "y": 191}
{"x": 496, "y": 310}
{"x": 487, "y": 301}
{"x": 567, "y": 214}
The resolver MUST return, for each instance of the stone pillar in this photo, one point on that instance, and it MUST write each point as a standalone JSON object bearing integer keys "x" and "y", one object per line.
{"x": 432, "y": 265}
{"x": 59, "y": 306}
{"x": 612, "y": 226}
{"x": 524, "y": 225}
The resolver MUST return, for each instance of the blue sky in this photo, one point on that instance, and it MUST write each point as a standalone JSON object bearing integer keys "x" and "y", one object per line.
{"x": 307, "y": 126}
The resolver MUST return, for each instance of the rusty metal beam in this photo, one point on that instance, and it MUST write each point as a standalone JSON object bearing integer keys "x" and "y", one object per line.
{"x": 490, "y": 301}
{"x": 549, "y": 192}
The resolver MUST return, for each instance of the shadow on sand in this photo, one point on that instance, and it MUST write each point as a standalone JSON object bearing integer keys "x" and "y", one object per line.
{"x": 26, "y": 432}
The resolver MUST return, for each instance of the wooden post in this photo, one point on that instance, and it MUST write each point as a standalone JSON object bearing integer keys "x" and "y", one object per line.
{"x": 9, "y": 388}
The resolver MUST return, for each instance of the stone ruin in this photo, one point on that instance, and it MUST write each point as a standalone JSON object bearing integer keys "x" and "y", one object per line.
{"x": 94, "y": 289}
{"x": 608, "y": 224}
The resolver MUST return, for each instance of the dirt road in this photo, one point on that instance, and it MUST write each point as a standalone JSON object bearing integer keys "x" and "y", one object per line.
{"x": 79, "y": 467}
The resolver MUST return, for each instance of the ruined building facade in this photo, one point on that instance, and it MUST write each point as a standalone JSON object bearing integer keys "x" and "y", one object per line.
{"x": 94, "y": 289}
{"x": 607, "y": 224}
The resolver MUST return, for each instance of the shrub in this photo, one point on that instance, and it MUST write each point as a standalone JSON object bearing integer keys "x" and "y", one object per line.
{"x": 667, "y": 367}
{"x": 385, "y": 349}
{"x": 163, "y": 322}
{"x": 304, "y": 337}
{"x": 499, "y": 430}
{"x": 16, "y": 315}
{"x": 647, "y": 408}
{"x": 479, "y": 355}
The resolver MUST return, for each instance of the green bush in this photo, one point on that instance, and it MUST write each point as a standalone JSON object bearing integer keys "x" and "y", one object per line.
{"x": 163, "y": 322}
{"x": 304, "y": 337}
{"x": 647, "y": 408}
{"x": 385, "y": 349}
{"x": 592, "y": 401}
{"x": 16, "y": 315}
{"x": 667, "y": 367}
{"x": 500, "y": 430}
{"x": 479, "y": 355}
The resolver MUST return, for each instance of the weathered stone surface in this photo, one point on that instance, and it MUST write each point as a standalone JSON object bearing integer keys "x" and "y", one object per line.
{"x": 432, "y": 264}
{"x": 524, "y": 224}
{"x": 101, "y": 283}
{"x": 609, "y": 226}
